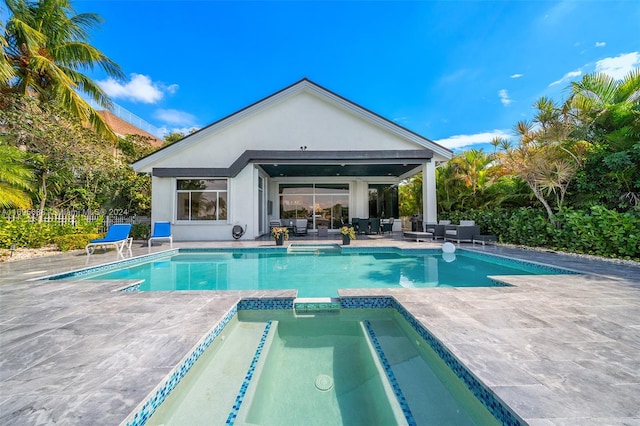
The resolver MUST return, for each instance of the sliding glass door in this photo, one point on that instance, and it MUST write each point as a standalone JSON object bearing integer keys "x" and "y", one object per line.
{"x": 323, "y": 205}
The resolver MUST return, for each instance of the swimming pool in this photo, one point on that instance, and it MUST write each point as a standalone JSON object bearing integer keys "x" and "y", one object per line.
{"x": 353, "y": 366}
{"x": 314, "y": 273}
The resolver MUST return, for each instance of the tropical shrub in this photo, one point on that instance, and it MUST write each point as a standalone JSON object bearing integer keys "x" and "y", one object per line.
{"x": 140, "y": 231}
{"x": 598, "y": 231}
{"x": 74, "y": 241}
{"x": 24, "y": 233}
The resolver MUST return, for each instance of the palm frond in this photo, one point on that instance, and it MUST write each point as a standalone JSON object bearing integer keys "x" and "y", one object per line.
{"x": 629, "y": 90}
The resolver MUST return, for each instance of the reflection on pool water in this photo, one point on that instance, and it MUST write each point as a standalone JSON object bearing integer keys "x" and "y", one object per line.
{"x": 352, "y": 367}
{"x": 317, "y": 274}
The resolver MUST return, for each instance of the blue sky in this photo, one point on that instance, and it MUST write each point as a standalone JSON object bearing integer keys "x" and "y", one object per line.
{"x": 456, "y": 72}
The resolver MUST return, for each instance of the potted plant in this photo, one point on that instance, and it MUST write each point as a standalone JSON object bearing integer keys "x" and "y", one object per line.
{"x": 280, "y": 234}
{"x": 348, "y": 234}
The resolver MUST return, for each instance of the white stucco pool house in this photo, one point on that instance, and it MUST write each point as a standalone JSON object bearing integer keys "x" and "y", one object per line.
{"x": 303, "y": 152}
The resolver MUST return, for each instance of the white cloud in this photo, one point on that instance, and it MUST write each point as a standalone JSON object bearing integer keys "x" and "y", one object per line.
{"x": 504, "y": 97}
{"x": 139, "y": 89}
{"x": 567, "y": 77}
{"x": 175, "y": 117}
{"x": 460, "y": 141}
{"x": 600, "y": 44}
{"x": 516, "y": 75}
{"x": 559, "y": 12}
{"x": 619, "y": 66}
{"x": 172, "y": 88}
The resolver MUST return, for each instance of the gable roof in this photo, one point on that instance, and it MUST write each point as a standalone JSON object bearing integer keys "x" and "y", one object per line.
{"x": 304, "y": 85}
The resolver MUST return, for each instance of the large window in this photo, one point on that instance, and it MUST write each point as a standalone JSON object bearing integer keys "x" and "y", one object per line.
{"x": 383, "y": 201}
{"x": 325, "y": 205}
{"x": 202, "y": 199}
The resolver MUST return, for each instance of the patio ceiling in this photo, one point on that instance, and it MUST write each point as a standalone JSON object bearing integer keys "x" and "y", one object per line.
{"x": 341, "y": 163}
{"x": 299, "y": 170}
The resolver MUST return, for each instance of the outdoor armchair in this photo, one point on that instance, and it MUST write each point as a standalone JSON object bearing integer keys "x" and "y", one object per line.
{"x": 374, "y": 225}
{"x": 300, "y": 227}
{"x": 387, "y": 226}
{"x": 463, "y": 232}
{"x": 437, "y": 229}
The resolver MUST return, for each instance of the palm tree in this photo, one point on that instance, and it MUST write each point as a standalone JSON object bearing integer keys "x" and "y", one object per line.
{"x": 46, "y": 48}
{"x": 410, "y": 197}
{"x": 606, "y": 112}
{"x": 6, "y": 71}
{"x": 602, "y": 105}
{"x": 473, "y": 168}
{"x": 465, "y": 180}
{"x": 16, "y": 178}
{"x": 546, "y": 157}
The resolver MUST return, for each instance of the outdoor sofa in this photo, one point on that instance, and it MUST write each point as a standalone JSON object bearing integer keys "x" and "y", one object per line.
{"x": 462, "y": 232}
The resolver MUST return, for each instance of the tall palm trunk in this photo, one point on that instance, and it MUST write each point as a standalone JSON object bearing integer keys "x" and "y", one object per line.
{"x": 43, "y": 196}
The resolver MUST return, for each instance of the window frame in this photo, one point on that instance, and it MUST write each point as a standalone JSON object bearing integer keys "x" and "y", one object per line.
{"x": 209, "y": 191}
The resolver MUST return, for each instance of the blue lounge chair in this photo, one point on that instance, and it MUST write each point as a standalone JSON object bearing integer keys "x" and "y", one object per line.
{"x": 161, "y": 231}
{"x": 117, "y": 236}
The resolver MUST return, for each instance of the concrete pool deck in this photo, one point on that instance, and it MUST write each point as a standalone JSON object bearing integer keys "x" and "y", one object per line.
{"x": 558, "y": 349}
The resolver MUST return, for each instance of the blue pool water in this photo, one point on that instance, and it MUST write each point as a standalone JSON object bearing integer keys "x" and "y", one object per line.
{"x": 316, "y": 274}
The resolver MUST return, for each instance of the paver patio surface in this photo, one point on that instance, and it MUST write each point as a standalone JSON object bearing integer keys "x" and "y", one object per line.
{"x": 558, "y": 349}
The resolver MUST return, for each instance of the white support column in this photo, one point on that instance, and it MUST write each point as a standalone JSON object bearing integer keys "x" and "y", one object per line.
{"x": 360, "y": 193}
{"x": 429, "y": 201}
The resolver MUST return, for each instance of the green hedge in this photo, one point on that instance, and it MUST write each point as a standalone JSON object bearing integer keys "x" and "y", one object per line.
{"x": 600, "y": 232}
{"x": 24, "y": 233}
{"x": 74, "y": 241}
{"x": 597, "y": 231}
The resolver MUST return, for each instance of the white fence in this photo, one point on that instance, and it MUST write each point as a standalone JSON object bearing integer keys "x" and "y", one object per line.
{"x": 70, "y": 217}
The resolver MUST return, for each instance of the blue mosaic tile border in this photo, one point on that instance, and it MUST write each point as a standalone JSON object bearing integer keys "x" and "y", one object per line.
{"x": 508, "y": 261}
{"x": 150, "y": 406}
{"x": 234, "y": 250}
{"x": 253, "y": 304}
{"x": 498, "y": 283}
{"x": 367, "y": 302}
{"x": 408, "y": 415}
{"x": 131, "y": 289}
{"x": 113, "y": 265}
{"x": 247, "y": 378}
{"x": 351, "y": 249}
{"x": 495, "y": 406}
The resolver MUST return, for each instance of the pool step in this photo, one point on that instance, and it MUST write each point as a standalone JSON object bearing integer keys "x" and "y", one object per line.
{"x": 314, "y": 248}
